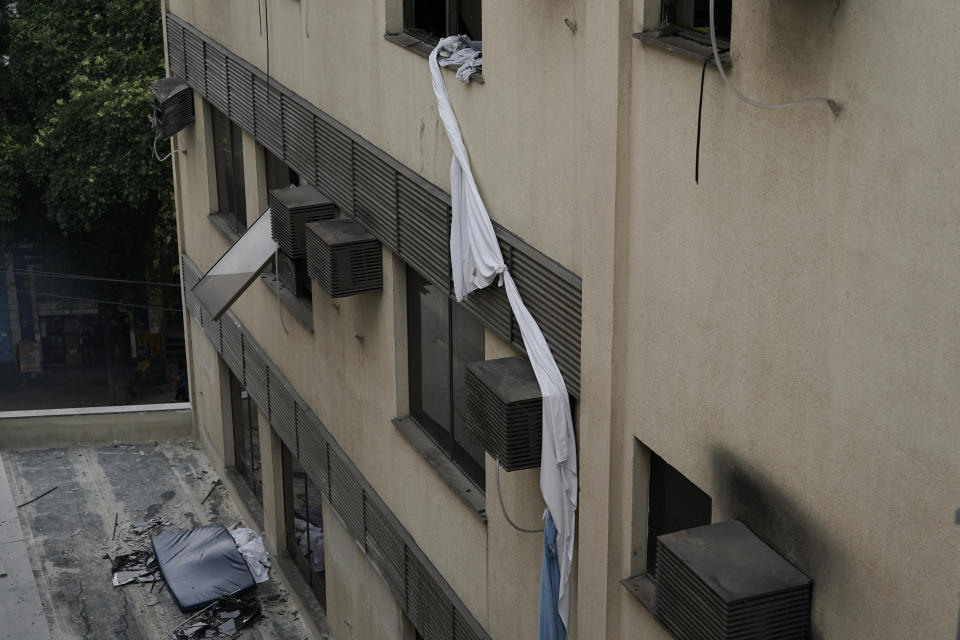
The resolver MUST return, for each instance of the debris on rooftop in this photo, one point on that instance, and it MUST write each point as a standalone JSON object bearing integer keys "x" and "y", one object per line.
{"x": 225, "y": 617}
{"x": 139, "y": 566}
{"x": 256, "y": 555}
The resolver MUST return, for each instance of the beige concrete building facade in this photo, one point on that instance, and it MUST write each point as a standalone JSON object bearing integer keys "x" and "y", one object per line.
{"x": 783, "y": 334}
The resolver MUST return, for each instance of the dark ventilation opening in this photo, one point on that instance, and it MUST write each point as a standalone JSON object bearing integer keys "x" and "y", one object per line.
{"x": 430, "y": 20}
{"x": 695, "y": 15}
{"x": 675, "y": 504}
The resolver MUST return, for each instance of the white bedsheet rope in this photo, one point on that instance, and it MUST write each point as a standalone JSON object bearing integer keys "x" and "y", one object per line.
{"x": 476, "y": 262}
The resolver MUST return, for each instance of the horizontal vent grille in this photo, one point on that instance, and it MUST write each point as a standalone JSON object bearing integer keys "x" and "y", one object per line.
{"x": 313, "y": 452}
{"x": 427, "y": 606}
{"x": 268, "y": 116}
{"x": 194, "y": 48}
{"x": 375, "y": 194}
{"x": 283, "y": 412}
{"x": 232, "y": 339}
{"x": 255, "y": 372}
{"x": 287, "y": 222}
{"x": 334, "y": 161}
{"x": 177, "y": 61}
{"x": 298, "y": 137}
{"x": 505, "y": 410}
{"x": 722, "y": 582}
{"x": 385, "y": 548}
{"x": 240, "y": 91}
{"x": 346, "y": 496}
{"x": 343, "y": 258}
{"x": 217, "y": 81}
{"x": 424, "y": 232}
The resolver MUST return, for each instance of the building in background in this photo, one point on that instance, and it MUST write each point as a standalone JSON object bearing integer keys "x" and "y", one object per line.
{"x": 775, "y": 343}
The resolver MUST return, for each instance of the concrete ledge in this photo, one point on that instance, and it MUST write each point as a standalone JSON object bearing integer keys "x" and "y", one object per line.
{"x": 89, "y": 425}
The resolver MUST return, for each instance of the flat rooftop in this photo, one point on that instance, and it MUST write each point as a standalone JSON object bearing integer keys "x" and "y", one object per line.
{"x": 65, "y": 535}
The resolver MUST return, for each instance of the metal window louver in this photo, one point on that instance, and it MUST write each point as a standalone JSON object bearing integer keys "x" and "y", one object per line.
{"x": 505, "y": 410}
{"x": 343, "y": 257}
{"x": 216, "y": 74}
{"x": 424, "y": 232}
{"x": 268, "y": 118}
{"x": 283, "y": 411}
{"x": 313, "y": 450}
{"x": 172, "y": 106}
{"x": 231, "y": 337}
{"x": 375, "y": 193}
{"x": 427, "y": 606}
{"x": 490, "y": 305}
{"x": 385, "y": 547}
{"x": 255, "y": 372}
{"x": 721, "y": 582}
{"x": 334, "y": 161}
{"x": 193, "y": 47}
{"x": 211, "y": 327}
{"x": 346, "y": 495}
{"x": 240, "y": 94}
{"x": 291, "y": 209}
{"x": 175, "y": 53}
{"x": 298, "y": 137}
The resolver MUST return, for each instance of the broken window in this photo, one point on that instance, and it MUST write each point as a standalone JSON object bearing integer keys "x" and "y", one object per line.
{"x": 430, "y": 20}
{"x": 675, "y": 504}
{"x": 303, "y": 511}
{"x": 442, "y": 338}
{"x": 694, "y": 15}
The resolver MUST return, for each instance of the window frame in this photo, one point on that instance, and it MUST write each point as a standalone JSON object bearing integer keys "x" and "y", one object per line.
{"x": 303, "y": 564}
{"x": 445, "y": 440}
{"x": 244, "y": 416}
{"x": 233, "y": 179}
{"x": 722, "y": 38}
{"x": 451, "y": 20}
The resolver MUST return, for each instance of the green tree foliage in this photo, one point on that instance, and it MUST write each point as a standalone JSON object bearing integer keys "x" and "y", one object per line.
{"x": 75, "y": 137}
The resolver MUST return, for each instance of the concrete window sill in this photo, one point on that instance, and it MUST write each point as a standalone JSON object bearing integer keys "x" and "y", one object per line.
{"x": 300, "y": 308}
{"x": 643, "y": 589}
{"x": 422, "y": 49}
{"x": 457, "y": 480}
{"x": 224, "y": 225}
{"x": 685, "y": 42}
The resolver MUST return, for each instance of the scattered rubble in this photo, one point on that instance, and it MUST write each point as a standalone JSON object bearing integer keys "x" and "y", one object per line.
{"x": 225, "y": 617}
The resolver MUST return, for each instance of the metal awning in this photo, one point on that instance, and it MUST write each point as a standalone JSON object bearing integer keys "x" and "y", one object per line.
{"x": 237, "y": 268}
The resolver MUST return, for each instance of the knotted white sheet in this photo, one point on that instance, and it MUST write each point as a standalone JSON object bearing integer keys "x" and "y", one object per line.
{"x": 476, "y": 262}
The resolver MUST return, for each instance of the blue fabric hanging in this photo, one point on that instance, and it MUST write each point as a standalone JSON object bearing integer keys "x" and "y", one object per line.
{"x": 550, "y": 625}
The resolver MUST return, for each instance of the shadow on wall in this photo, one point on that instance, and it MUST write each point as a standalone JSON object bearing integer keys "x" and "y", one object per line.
{"x": 745, "y": 494}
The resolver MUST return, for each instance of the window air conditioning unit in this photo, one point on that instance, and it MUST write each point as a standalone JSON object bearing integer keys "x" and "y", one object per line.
{"x": 172, "y": 107}
{"x": 505, "y": 410}
{"x": 292, "y": 208}
{"x": 721, "y": 582}
{"x": 343, "y": 257}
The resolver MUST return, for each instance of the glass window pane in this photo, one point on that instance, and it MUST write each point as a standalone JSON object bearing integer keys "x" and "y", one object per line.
{"x": 228, "y": 161}
{"x": 467, "y": 347}
{"x": 279, "y": 175}
{"x": 246, "y": 438}
{"x": 434, "y": 355}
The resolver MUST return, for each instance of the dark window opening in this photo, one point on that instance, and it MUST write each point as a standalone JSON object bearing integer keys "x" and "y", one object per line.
{"x": 675, "y": 504}
{"x": 430, "y": 20}
{"x": 442, "y": 338}
{"x": 279, "y": 175}
{"x": 695, "y": 15}
{"x": 246, "y": 438}
{"x": 303, "y": 511}
{"x": 228, "y": 161}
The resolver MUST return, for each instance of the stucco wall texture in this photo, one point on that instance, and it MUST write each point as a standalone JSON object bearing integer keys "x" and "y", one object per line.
{"x": 786, "y": 333}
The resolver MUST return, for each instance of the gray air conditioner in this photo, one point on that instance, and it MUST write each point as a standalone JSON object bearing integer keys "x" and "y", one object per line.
{"x": 343, "y": 257}
{"x": 505, "y": 410}
{"x": 293, "y": 208}
{"x": 721, "y": 582}
{"x": 172, "y": 107}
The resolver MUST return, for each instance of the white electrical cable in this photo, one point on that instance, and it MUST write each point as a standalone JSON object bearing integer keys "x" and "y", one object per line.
{"x": 276, "y": 282}
{"x": 504, "y": 509}
{"x": 834, "y": 107}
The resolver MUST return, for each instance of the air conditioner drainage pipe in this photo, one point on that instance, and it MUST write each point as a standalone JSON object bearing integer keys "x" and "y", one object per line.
{"x": 836, "y": 108}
